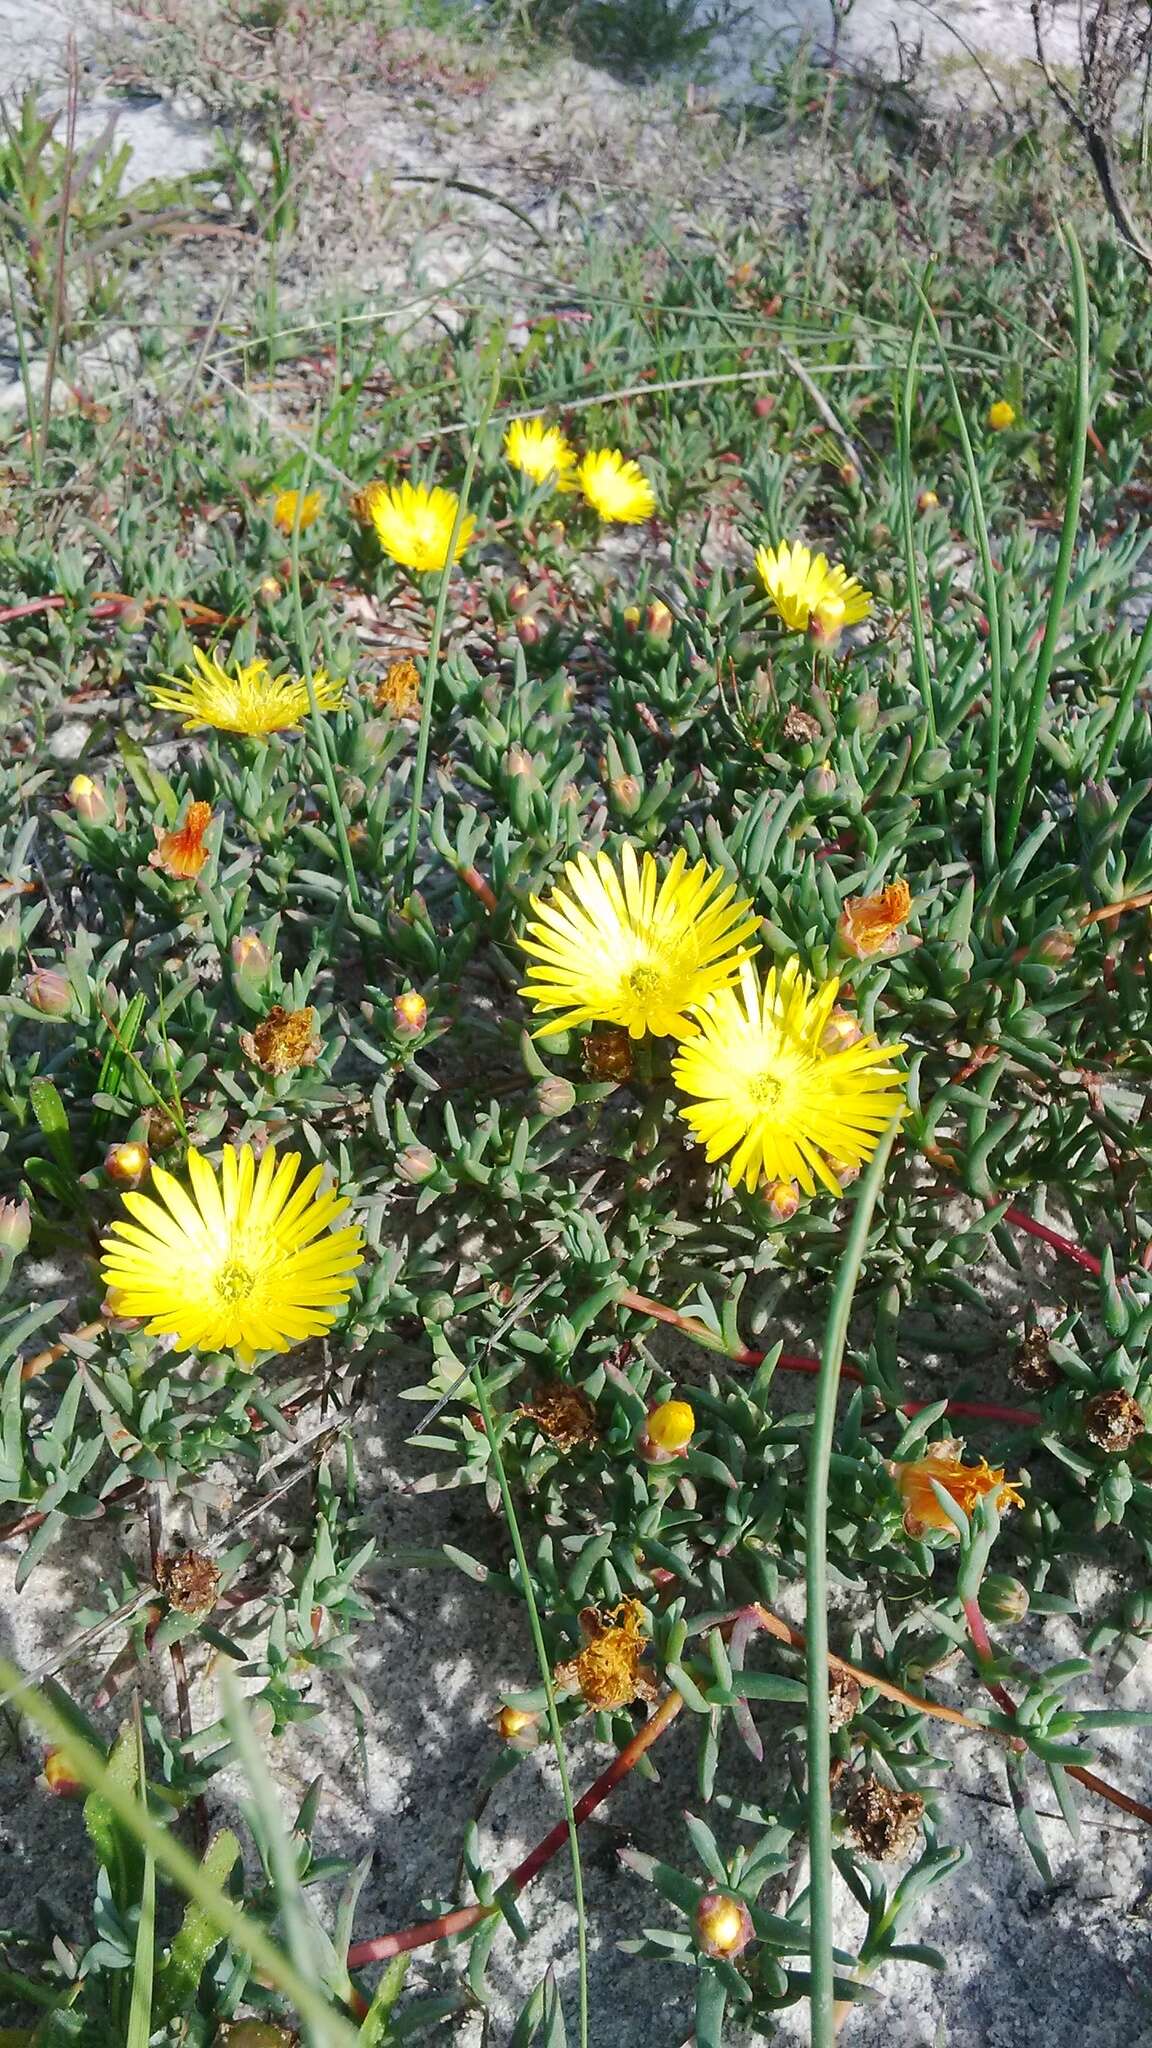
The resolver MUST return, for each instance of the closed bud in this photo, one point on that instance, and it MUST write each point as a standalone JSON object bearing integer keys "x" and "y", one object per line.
{"x": 667, "y": 1431}
{"x": 723, "y": 1924}
{"x": 1097, "y": 804}
{"x": 519, "y": 596}
{"x": 518, "y": 762}
{"x": 88, "y": 800}
{"x": 841, "y": 1031}
{"x": 517, "y": 1727}
{"x": 626, "y": 794}
{"x": 127, "y": 1163}
{"x": 416, "y": 1164}
{"x": 861, "y": 713}
{"x": 849, "y": 474}
{"x": 844, "y": 1174}
{"x": 529, "y": 631}
{"x": 933, "y": 764}
{"x": 250, "y": 955}
{"x": 270, "y": 588}
{"x": 409, "y": 1014}
{"x": 437, "y": 1308}
{"x": 1055, "y": 948}
{"x": 658, "y": 620}
{"x": 15, "y": 1227}
{"x": 927, "y": 501}
{"x": 1003, "y": 1598}
{"x": 632, "y": 618}
{"x": 59, "y": 1776}
{"x": 48, "y": 991}
{"x": 781, "y": 1198}
{"x": 763, "y": 405}
{"x": 555, "y": 1096}
{"x": 820, "y": 782}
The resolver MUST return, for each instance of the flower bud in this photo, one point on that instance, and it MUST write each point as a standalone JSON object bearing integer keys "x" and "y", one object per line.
{"x": 849, "y": 474}
{"x": 48, "y": 991}
{"x": 517, "y": 1727}
{"x": 529, "y": 631}
{"x": 250, "y": 955}
{"x": 820, "y": 782}
{"x": 667, "y": 1431}
{"x": 723, "y": 1924}
{"x": 934, "y": 763}
{"x": 658, "y": 620}
{"x": 860, "y": 713}
{"x": 416, "y": 1164}
{"x": 781, "y": 1198}
{"x": 763, "y": 406}
{"x": 519, "y": 596}
{"x": 1055, "y": 948}
{"x": 127, "y": 1163}
{"x": 626, "y": 794}
{"x": 517, "y": 761}
{"x": 1001, "y": 415}
{"x": 15, "y": 1227}
{"x": 60, "y": 1777}
{"x": 632, "y": 618}
{"x": 269, "y": 589}
{"x": 555, "y": 1096}
{"x": 437, "y": 1308}
{"x": 927, "y": 501}
{"x": 409, "y": 1014}
{"x": 88, "y": 800}
{"x": 841, "y": 1031}
{"x": 1003, "y": 1598}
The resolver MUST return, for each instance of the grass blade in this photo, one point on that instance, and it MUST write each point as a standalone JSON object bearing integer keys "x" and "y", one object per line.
{"x": 144, "y": 1960}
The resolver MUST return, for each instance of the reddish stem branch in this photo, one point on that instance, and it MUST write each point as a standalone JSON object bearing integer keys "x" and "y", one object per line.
{"x": 474, "y": 880}
{"x": 1064, "y": 1245}
{"x": 386, "y": 1945}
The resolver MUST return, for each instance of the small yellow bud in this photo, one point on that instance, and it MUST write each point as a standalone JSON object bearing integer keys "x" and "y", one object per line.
{"x": 781, "y": 1198}
{"x": 1001, "y": 415}
{"x": 270, "y": 589}
{"x": 667, "y": 1431}
{"x": 409, "y": 1014}
{"x": 723, "y": 1924}
{"x": 127, "y": 1163}
{"x": 59, "y": 1777}
{"x": 517, "y": 1727}
{"x": 841, "y": 1031}
{"x": 88, "y": 800}
{"x": 927, "y": 501}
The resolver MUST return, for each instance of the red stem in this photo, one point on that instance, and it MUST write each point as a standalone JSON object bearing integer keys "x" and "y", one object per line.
{"x": 1064, "y": 1245}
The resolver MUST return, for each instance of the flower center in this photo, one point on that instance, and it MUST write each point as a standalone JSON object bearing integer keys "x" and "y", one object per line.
{"x": 643, "y": 980}
{"x": 764, "y": 1091}
{"x": 234, "y": 1282}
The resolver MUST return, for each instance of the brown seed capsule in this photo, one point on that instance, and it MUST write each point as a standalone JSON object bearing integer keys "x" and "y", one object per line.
{"x": 1113, "y": 1421}
{"x": 163, "y": 1130}
{"x": 883, "y": 1823}
{"x": 564, "y": 1415}
{"x": 1032, "y": 1366}
{"x": 843, "y": 1699}
{"x": 801, "y": 726}
{"x": 189, "y": 1581}
{"x": 607, "y": 1054}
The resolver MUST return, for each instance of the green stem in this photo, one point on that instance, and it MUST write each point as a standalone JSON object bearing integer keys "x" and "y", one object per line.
{"x": 991, "y": 592}
{"x": 315, "y": 715}
{"x": 911, "y": 573}
{"x": 554, "y": 1727}
{"x": 1068, "y": 533}
{"x": 1137, "y": 671}
{"x": 432, "y": 665}
{"x": 823, "y": 2016}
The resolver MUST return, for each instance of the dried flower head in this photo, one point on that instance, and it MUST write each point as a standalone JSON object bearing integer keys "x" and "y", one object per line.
{"x": 399, "y": 690}
{"x": 607, "y": 1054}
{"x": 800, "y": 727}
{"x": 1033, "y": 1366}
{"x": 284, "y": 1040}
{"x": 808, "y": 594}
{"x": 768, "y": 1096}
{"x": 943, "y": 1466}
{"x": 616, "y": 488}
{"x": 189, "y": 1581}
{"x": 541, "y": 452}
{"x": 723, "y": 1924}
{"x": 284, "y": 512}
{"x": 182, "y": 853}
{"x": 608, "y": 1670}
{"x": 414, "y": 524}
{"x": 843, "y": 1699}
{"x": 564, "y": 1415}
{"x": 1113, "y": 1420}
{"x": 883, "y": 1823}
{"x": 872, "y": 924}
{"x": 627, "y": 948}
{"x": 252, "y": 701}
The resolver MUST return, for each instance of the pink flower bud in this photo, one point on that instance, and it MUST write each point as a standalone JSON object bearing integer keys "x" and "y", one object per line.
{"x": 48, "y": 991}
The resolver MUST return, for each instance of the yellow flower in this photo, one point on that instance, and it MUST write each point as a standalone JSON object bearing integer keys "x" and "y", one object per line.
{"x": 284, "y": 509}
{"x": 872, "y": 924}
{"x": 771, "y": 1093}
{"x": 414, "y": 523}
{"x": 631, "y": 950}
{"x": 246, "y": 1263}
{"x": 965, "y": 1483}
{"x": 670, "y": 1426}
{"x": 616, "y": 489}
{"x": 253, "y": 701}
{"x": 541, "y": 452}
{"x": 1001, "y": 415}
{"x": 807, "y": 594}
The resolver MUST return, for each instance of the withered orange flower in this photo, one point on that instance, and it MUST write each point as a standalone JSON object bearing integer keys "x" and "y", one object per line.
{"x": 564, "y": 1415}
{"x": 399, "y": 690}
{"x": 182, "y": 853}
{"x": 608, "y": 1670}
{"x": 967, "y": 1484}
{"x": 284, "y": 1040}
{"x": 872, "y": 924}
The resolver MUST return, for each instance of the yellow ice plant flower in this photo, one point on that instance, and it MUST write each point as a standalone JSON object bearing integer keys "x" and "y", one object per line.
{"x": 246, "y": 1262}
{"x": 629, "y": 949}
{"x": 1001, "y": 415}
{"x": 414, "y": 524}
{"x": 284, "y": 509}
{"x": 541, "y": 452}
{"x": 773, "y": 1088}
{"x": 616, "y": 489}
{"x": 252, "y": 701}
{"x": 965, "y": 1484}
{"x": 808, "y": 594}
